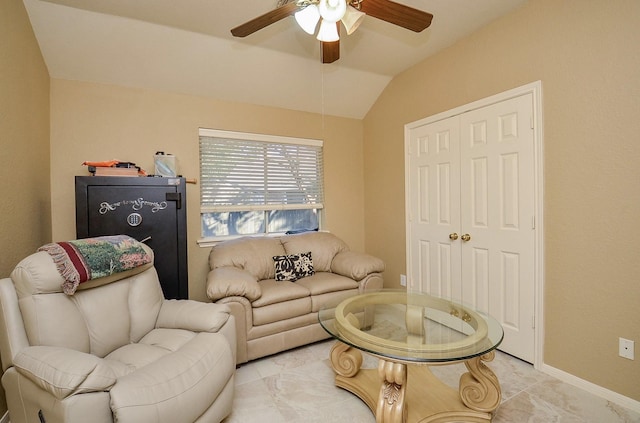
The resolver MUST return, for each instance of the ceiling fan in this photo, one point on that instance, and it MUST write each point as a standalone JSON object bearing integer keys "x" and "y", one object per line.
{"x": 329, "y": 13}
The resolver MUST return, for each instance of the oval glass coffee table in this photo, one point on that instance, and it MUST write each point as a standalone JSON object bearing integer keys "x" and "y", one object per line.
{"x": 409, "y": 332}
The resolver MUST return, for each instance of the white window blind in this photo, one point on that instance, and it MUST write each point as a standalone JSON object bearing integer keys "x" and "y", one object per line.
{"x": 242, "y": 172}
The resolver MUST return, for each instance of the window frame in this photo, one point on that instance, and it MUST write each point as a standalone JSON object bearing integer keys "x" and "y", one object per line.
{"x": 253, "y": 138}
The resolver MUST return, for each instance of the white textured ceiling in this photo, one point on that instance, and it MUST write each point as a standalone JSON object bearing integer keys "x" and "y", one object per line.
{"x": 185, "y": 46}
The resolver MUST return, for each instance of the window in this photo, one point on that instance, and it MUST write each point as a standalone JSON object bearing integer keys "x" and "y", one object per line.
{"x": 258, "y": 184}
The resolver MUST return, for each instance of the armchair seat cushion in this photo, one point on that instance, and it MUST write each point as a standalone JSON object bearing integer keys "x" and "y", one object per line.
{"x": 178, "y": 387}
{"x": 154, "y": 345}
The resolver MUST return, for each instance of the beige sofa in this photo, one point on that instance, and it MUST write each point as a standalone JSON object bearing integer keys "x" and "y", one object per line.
{"x": 272, "y": 315}
{"x": 115, "y": 350}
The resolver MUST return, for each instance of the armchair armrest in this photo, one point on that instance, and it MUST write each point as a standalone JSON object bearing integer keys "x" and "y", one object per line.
{"x": 192, "y": 315}
{"x": 14, "y": 338}
{"x": 356, "y": 265}
{"x": 63, "y": 372}
{"x": 231, "y": 281}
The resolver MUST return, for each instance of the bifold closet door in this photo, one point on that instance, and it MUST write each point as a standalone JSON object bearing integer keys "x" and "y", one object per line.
{"x": 434, "y": 212}
{"x": 470, "y": 217}
{"x": 497, "y": 199}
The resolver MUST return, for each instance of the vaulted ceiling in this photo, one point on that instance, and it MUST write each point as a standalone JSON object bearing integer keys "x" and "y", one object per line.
{"x": 185, "y": 46}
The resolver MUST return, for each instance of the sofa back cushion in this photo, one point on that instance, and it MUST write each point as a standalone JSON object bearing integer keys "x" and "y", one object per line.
{"x": 102, "y": 315}
{"x": 323, "y": 246}
{"x": 255, "y": 255}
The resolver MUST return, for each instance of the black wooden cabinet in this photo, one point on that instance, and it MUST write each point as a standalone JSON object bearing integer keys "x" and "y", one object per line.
{"x": 152, "y": 210}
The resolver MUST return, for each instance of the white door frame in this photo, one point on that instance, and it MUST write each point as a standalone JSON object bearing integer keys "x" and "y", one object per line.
{"x": 535, "y": 89}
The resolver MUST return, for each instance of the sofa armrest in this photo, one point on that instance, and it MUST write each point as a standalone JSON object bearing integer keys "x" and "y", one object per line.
{"x": 356, "y": 265}
{"x": 63, "y": 372}
{"x": 231, "y": 281}
{"x": 192, "y": 315}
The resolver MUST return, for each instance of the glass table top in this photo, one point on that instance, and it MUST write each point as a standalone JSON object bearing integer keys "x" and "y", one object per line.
{"x": 412, "y": 327}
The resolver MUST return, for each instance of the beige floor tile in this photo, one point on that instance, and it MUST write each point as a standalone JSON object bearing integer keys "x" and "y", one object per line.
{"x": 297, "y": 387}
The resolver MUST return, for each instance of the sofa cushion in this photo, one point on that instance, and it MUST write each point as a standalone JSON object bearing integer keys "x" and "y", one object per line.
{"x": 279, "y": 326}
{"x": 323, "y": 246}
{"x": 293, "y": 266}
{"x": 279, "y": 291}
{"x": 280, "y": 300}
{"x": 251, "y": 254}
{"x": 281, "y": 311}
{"x": 323, "y": 282}
{"x": 331, "y": 299}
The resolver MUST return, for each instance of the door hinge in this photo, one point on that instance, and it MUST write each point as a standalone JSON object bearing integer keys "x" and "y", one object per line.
{"x": 533, "y": 321}
{"x": 533, "y": 222}
{"x": 531, "y": 122}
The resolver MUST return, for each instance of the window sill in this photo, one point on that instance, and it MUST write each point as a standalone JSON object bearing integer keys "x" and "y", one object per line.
{"x": 210, "y": 242}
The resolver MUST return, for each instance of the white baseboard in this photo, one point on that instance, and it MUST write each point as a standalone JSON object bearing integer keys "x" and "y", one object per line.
{"x": 592, "y": 388}
{"x": 5, "y": 418}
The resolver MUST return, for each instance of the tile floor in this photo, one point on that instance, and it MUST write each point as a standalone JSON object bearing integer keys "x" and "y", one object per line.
{"x": 297, "y": 387}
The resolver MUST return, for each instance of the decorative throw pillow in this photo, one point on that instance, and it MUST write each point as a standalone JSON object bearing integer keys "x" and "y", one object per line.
{"x": 304, "y": 265}
{"x": 293, "y": 266}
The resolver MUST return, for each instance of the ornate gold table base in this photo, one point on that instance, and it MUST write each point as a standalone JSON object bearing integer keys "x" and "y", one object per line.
{"x": 398, "y": 393}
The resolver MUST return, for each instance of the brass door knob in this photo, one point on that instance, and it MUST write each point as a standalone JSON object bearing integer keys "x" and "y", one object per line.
{"x": 453, "y": 236}
{"x": 466, "y": 237}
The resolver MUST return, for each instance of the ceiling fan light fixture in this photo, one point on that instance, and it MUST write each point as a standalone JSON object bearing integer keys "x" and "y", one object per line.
{"x": 308, "y": 18}
{"x": 332, "y": 10}
{"x": 352, "y": 19}
{"x": 328, "y": 31}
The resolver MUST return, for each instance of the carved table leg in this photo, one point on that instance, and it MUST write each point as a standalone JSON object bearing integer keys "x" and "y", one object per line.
{"x": 479, "y": 388}
{"x": 346, "y": 361}
{"x": 391, "y": 405}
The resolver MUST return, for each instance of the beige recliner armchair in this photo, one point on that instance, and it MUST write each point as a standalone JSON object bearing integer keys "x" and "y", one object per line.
{"x": 113, "y": 351}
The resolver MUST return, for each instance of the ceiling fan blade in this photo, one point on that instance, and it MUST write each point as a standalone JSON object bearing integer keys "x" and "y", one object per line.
{"x": 397, "y": 14}
{"x": 265, "y": 20}
{"x": 330, "y": 51}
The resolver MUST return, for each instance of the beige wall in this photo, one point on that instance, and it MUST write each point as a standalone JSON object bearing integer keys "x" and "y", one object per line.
{"x": 24, "y": 139}
{"x": 24, "y": 142}
{"x": 99, "y": 122}
{"x": 586, "y": 55}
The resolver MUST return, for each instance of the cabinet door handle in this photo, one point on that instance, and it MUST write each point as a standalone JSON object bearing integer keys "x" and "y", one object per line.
{"x": 174, "y": 196}
{"x": 466, "y": 237}
{"x": 453, "y": 236}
